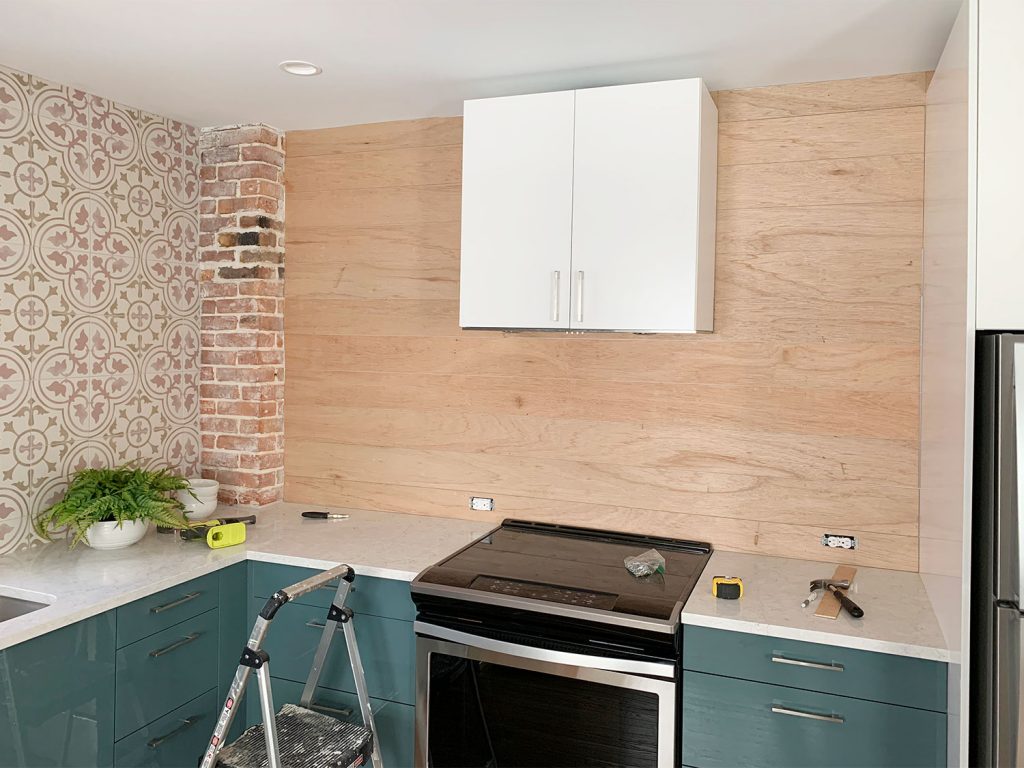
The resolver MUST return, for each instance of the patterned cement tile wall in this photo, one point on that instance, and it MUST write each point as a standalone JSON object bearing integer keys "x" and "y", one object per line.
{"x": 99, "y": 297}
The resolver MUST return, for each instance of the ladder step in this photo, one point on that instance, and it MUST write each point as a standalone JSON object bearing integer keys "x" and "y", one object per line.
{"x": 307, "y": 739}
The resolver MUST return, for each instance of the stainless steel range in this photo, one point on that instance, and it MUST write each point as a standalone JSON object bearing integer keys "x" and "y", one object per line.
{"x": 536, "y": 647}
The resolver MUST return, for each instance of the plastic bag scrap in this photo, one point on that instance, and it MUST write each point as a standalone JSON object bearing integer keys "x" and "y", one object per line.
{"x": 645, "y": 564}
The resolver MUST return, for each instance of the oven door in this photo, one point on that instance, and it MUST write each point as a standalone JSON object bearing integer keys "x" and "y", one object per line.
{"x": 485, "y": 703}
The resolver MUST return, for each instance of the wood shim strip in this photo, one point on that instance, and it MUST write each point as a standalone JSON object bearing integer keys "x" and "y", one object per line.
{"x": 828, "y": 606}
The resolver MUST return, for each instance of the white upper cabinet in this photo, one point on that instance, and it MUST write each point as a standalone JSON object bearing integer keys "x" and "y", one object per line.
{"x": 591, "y": 209}
{"x": 1000, "y": 153}
{"x": 643, "y": 223}
{"x": 516, "y": 212}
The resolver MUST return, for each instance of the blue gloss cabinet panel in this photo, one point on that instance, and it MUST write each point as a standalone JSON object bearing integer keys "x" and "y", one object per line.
{"x": 176, "y": 740}
{"x": 165, "y": 670}
{"x": 161, "y": 610}
{"x": 387, "y": 648}
{"x": 57, "y": 696}
{"x": 395, "y": 722}
{"x": 383, "y": 623}
{"x": 371, "y": 596}
{"x": 729, "y": 722}
{"x": 815, "y": 667}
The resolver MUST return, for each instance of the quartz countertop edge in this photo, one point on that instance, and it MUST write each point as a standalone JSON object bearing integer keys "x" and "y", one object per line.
{"x": 84, "y": 583}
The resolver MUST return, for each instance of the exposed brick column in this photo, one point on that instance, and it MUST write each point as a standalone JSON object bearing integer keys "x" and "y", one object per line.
{"x": 242, "y": 282}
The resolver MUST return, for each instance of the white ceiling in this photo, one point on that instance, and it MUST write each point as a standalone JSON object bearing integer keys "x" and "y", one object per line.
{"x": 214, "y": 62}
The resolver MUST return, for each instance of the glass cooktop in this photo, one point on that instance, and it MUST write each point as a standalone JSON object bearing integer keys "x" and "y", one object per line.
{"x": 570, "y": 566}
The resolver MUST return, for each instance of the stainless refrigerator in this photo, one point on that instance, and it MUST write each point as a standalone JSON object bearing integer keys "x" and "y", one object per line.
{"x": 997, "y": 622}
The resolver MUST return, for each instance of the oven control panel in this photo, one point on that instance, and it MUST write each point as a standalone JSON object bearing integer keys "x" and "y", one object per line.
{"x": 552, "y": 593}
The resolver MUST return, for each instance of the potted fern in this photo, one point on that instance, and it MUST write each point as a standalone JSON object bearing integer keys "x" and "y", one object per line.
{"x": 112, "y": 508}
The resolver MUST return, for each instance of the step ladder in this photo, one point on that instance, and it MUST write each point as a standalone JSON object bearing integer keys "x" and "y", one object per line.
{"x": 297, "y": 736}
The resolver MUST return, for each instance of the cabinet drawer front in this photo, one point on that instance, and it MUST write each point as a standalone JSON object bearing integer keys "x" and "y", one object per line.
{"x": 814, "y": 667}
{"x": 386, "y": 646}
{"x": 151, "y": 614}
{"x": 163, "y": 671}
{"x": 176, "y": 740}
{"x": 378, "y": 597}
{"x": 395, "y": 722}
{"x": 729, "y": 722}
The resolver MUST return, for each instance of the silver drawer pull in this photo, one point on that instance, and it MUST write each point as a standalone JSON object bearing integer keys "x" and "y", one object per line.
{"x": 175, "y": 603}
{"x": 830, "y": 667}
{"x": 189, "y": 638}
{"x": 187, "y": 723}
{"x": 838, "y": 719}
{"x": 346, "y": 712}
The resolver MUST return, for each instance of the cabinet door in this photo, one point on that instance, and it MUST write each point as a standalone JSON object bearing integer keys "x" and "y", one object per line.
{"x": 57, "y": 696}
{"x": 1000, "y": 291}
{"x": 516, "y": 211}
{"x": 643, "y": 207}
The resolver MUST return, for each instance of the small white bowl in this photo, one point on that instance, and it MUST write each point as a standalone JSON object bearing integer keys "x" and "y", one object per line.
{"x": 204, "y": 503}
{"x": 110, "y": 535}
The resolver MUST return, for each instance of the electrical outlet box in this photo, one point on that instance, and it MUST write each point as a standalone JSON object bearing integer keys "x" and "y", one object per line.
{"x": 839, "y": 541}
{"x": 481, "y": 503}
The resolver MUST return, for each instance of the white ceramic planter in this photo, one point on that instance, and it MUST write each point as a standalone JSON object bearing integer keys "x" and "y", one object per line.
{"x": 204, "y": 503}
{"x": 113, "y": 536}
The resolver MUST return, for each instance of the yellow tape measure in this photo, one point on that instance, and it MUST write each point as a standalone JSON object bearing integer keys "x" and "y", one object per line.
{"x": 727, "y": 587}
{"x": 226, "y": 535}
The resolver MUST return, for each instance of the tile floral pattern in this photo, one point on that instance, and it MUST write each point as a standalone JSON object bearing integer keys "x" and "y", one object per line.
{"x": 99, "y": 293}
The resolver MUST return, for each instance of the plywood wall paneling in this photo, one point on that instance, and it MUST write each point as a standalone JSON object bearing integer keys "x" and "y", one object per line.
{"x": 410, "y": 166}
{"x": 716, "y": 494}
{"x": 844, "y": 228}
{"x": 892, "y": 368}
{"x": 656, "y": 444}
{"x": 867, "y": 414}
{"x": 796, "y": 417}
{"x": 828, "y": 97}
{"x": 400, "y": 134}
{"x": 884, "y": 179}
{"x": 821, "y": 137}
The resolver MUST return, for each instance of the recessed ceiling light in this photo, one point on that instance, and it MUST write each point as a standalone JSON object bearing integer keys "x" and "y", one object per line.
{"x": 300, "y": 68}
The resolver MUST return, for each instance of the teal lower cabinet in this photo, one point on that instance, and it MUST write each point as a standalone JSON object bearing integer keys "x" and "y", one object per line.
{"x": 176, "y": 739}
{"x": 395, "y": 722}
{"x": 753, "y": 700}
{"x": 386, "y": 646}
{"x": 161, "y": 672}
{"x": 136, "y": 686}
{"x": 384, "y": 630}
{"x": 57, "y": 697}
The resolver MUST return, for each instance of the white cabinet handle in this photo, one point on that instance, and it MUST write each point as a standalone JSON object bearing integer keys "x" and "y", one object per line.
{"x": 837, "y": 719}
{"x": 556, "y": 278}
{"x": 579, "y": 296}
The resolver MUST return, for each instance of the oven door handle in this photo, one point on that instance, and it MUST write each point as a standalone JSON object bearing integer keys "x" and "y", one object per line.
{"x": 664, "y": 670}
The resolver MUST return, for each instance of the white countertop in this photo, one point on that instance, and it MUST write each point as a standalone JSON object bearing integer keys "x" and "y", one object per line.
{"x": 85, "y": 582}
{"x": 898, "y": 618}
